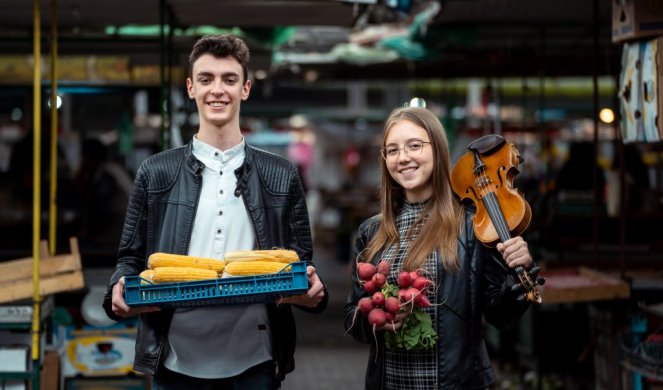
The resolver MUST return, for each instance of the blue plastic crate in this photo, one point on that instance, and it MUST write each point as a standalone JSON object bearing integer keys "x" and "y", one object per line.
{"x": 222, "y": 291}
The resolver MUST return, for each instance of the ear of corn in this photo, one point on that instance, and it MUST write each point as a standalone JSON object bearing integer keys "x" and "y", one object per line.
{"x": 182, "y": 274}
{"x": 148, "y": 275}
{"x": 285, "y": 256}
{"x": 249, "y": 268}
{"x": 159, "y": 259}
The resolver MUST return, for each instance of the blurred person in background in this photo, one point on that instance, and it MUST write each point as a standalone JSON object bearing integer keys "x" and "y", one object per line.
{"x": 105, "y": 187}
{"x": 215, "y": 195}
{"x": 423, "y": 227}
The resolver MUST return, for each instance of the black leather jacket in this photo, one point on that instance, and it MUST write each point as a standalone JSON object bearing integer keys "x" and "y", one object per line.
{"x": 160, "y": 218}
{"x": 480, "y": 287}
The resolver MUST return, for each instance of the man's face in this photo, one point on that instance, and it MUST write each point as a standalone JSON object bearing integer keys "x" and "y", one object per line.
{"x": 217, "y": 86}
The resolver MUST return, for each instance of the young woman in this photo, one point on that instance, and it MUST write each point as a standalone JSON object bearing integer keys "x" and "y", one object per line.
{"x": 422, "y": 227}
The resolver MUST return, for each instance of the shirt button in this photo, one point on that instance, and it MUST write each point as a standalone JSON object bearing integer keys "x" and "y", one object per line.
{"x": 221, "y": 192}
{"x": 220, "y": 172}
{"x": 216, "y": 154}
{"x": 220, "y": 212}
{"x": 218, "y": 231}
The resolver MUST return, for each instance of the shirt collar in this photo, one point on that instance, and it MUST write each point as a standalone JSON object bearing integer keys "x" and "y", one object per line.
{"x": 210, "y": 152}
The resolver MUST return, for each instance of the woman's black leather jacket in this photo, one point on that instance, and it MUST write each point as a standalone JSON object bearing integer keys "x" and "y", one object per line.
{"x": 160, "y": 218}
{"x": 480, "y": 288}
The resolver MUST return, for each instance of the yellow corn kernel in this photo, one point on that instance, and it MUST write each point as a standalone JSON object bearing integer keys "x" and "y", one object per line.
{"x": 182, "y": 274}
{"x": 169, "y": 260}
{"x": 248, "y": 268}
{"x": 148, "y": 275}
{"x": 275, "y": 255}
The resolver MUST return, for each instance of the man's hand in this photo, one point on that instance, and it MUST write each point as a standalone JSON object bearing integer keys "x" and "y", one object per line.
{"x": 120, "y": 306}
{"x": 515, "y": 252}
{"x": 314, "y": 294}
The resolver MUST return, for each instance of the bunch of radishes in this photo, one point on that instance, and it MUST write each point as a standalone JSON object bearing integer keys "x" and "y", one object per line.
{"x": 387, "y": 300}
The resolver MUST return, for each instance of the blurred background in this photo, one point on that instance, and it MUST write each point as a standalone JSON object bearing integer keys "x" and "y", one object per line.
{"x": 575, "y": 85}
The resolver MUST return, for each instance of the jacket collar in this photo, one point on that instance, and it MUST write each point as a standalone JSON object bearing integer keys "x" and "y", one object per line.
{"x": 242, "y": 173}
{"x": 194, "y": 165}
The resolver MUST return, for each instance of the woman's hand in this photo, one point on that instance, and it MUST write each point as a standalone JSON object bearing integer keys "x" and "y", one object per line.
{"x": 120, "y": 307}
{"x": 399, "y": 318}
{"x": 515, "y": 252}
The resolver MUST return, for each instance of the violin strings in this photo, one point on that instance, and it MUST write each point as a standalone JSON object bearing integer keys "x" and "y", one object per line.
{"x": 499, "y": 223}
{"x": 501, "y": 226}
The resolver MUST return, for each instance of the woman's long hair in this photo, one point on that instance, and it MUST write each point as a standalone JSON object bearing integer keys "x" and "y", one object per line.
{"x": 441, "y": 229}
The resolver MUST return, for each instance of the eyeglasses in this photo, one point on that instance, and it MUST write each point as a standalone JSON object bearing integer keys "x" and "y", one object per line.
{"x": 411, "y": 149}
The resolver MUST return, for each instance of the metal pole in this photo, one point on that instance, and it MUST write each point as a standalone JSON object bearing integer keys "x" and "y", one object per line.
{"x": 595, "y": 115}
{"x": 52, "y": 214}
{"x": 36, "y": 194}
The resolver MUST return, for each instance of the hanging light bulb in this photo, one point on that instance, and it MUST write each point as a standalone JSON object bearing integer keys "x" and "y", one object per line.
{"x": 58, "y": 102}
{"x": 606, "y": 115}
{"x": 416, "y": 102}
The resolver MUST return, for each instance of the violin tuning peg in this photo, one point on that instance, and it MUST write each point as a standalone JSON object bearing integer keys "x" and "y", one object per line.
{"x": 515, "y": 287}
{"x": 535, "y": 270}
{"x": 521, "y": 297}
{"x": 541, "y": 281}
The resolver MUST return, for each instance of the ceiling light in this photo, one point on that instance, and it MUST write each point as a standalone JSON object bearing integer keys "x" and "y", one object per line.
{"x": 606, "y": 115}
{"x": 58, "y": 102}
{"x": 260, "y": 74}
{"x": 311, "y": 76}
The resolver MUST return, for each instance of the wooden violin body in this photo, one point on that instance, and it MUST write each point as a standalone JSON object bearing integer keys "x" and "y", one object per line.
{"x": 484, "y": 175}
{"x": 501, "y": 161}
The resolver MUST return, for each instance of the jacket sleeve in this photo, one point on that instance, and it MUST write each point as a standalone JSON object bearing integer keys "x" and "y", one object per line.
{"x": 131, "y": 254}
{"x": 502, "y": 309}
{"x": 300, "y": 233}
{"x": 355, "y": 323}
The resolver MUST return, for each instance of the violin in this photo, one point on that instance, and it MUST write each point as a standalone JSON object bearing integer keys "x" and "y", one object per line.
{"x": 484, "y": 176}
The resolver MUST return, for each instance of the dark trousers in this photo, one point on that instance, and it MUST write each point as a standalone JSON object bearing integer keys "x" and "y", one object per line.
{"x": 260, "y": 377}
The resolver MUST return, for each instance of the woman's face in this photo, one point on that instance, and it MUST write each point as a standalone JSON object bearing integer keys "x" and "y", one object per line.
{"x": 409, "y": 159}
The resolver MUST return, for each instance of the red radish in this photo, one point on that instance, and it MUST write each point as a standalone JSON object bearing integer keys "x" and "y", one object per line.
{"x": 365, "y": 270}
{"x": 389, "y": 316}
{"x": 383, "y": 267}
{"x": 370, "y": 287}
{"x": 421, "y": 283}
{"x": 401, "y": 295}
{"x": 413, "y": 276}
{"x": 404, "y": 279}
{"x": 411, "y": 293}
{"x": 392, "y": 305}
{"x": 365, "y": 305}
{"x": 421, "y": 300}
{"x": 378, "y": 299}
{"x": 379, "y": 280}
{"x": 377, "y": 318}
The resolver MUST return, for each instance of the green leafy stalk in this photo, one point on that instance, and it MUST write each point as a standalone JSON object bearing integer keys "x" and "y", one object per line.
{"x": 417, "y": 331}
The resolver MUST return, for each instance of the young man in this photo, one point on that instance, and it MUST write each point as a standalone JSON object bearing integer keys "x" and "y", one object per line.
{"x": 215, "y": 195}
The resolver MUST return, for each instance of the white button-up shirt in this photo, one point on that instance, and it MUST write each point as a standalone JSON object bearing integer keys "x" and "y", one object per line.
{"x": 218, "y": 208}
{"x": 219, "y": 342}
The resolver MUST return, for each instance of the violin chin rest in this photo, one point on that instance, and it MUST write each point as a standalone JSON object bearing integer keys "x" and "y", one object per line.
{"x": 487, "y": 144}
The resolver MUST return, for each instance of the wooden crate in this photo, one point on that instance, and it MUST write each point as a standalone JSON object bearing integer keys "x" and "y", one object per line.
{"x": 582, "y": 285}
{"x": 58, "y": 273}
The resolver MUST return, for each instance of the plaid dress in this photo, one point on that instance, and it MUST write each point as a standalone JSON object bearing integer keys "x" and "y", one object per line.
{"x": 414, "y": 369}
